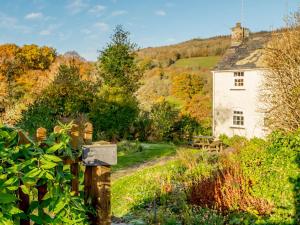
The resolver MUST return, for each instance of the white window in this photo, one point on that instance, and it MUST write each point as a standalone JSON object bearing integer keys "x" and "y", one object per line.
{"x": 238, "y": 118}
{"x": 238, "y": 79}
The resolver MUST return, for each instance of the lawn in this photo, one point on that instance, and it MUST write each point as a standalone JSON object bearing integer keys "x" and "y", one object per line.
{"x": 130, "y": 192}
{"x": 203, "y": 62}
{"x": 147, "y": 152}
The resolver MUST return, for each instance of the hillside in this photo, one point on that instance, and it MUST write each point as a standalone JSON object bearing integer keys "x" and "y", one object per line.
{"x": 167, "y": 55}
{"x": 178, "y": 73}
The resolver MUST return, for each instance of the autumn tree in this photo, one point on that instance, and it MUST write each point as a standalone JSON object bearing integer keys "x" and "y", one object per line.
{"x": 199, "y": 108}
{"x": 35, "y": 57}
{"x": 9, "y": 69}
{"x": 281, "y": 89}
{"x": 186, "y": 85}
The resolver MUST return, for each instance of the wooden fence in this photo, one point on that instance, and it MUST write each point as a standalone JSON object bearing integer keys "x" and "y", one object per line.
{"x": 96, "y": 178}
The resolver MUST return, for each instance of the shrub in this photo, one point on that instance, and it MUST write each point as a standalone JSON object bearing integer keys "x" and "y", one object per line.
{"x": 30, "y": 165}
{"x": 113, "y": 113}
{"x": 129, "y": 147}
{"x": 186, "y": 127}
{"x": 272, "y": 168}
{"x": 163, "y": 116}
{"x": 141, "y": 129}
{"x": 67, "y": 97}
{"x": 228, "y": 190}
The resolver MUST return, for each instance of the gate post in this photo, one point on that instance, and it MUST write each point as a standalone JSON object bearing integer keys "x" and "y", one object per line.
{"x": 97, "y": 186}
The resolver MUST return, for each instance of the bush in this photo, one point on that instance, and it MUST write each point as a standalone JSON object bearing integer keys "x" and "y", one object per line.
{"x": 113, "y": 113}
{"x": 129, "y": 147}
{"x": 186, "y": 127}
{"x": 272, "y": 168}
{"x": 163, "y": 116}
{"x": 31, "y": 165}
{"x": 141, "y": 129}
{"x": 67, "y": 97}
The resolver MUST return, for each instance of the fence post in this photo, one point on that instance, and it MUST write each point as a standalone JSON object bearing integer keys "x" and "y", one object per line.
{"x": 74, "y": 165}
{"x": 41, "y": 135}
{"x": 97, "y": 186}
{"x": 88, "y": 137}
{"x": 101, "y": 198}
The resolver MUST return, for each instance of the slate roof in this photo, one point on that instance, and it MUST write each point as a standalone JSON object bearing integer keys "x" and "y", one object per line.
{"x": 248, "y": 55}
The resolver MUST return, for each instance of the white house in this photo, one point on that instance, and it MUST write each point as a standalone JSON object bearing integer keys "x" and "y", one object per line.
{"x": 237, "y": 81}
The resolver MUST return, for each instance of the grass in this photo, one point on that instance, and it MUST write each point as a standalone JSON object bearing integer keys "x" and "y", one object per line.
{"x": 133, "y": 191}
{"x": 271, "y": 168}
{"x": 149, "y": 152}
{"x": 203, "y": 62}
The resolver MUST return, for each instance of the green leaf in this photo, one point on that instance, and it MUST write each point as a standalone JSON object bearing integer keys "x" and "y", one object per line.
{"x": 36, "y": 219}
{"x": 3, "y": 176}
{"x": 60, "y": 205}
{"x": 7, "y": 198}
{"x": 49, "y": 176}
{"x": 14, "y": 210}
{"x": 33, "y": 173}
{"x": 25, "y": 189}
{"x": 54, "y": 148}
{"x": 48, "y": 165}
{"x": 10, "y": 181}
{"x": 13, "y": 188}
{"x": 52, "y": 158}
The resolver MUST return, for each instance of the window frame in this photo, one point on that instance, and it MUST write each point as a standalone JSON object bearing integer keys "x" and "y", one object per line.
{"x": 238, "y": 118}
{"x": 238, "y": 80}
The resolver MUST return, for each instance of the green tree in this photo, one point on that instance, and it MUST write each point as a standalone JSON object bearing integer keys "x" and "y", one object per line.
{"x": 67, "y": 97}
{"x": 163, "y": 116}
{"x": 116, "y": 108}
{"x": 117, "y": 63}
{"x": 113, "y": 112}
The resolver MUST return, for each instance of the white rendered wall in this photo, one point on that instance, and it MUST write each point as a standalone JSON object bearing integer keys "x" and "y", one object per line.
{"x": 226, "y": 99}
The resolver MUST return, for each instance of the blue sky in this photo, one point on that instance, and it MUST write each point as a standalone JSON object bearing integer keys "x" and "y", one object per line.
{"x": 86, "y": 25}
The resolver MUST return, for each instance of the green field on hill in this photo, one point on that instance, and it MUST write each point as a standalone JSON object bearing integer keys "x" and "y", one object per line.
{"x": 203, "y": 62}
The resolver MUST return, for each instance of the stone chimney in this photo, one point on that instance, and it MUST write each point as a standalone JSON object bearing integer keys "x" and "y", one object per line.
{"x": 239, "y": 34}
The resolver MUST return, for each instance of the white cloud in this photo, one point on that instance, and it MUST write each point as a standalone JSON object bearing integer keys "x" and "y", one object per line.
{"x": 160, "y": 12}
{"x": 102, "y": 26}
{"x": 34, "y": 15}
{"x": 97, "y": 9}
{"x": 49, "y": 30}
{"x": 8, "y": 22}
{"x": 76, "y": 6}
{"x": 119, "y": 12}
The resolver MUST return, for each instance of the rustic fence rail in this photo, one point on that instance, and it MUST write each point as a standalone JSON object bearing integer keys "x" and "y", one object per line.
{"x": 96, "y": 178}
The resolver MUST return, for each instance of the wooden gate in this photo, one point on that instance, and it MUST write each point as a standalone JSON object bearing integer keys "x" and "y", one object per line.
{"x": 96, "y": 178}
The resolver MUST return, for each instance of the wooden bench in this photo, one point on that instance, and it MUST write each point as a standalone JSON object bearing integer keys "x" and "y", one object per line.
{"x": 207, "y": 143}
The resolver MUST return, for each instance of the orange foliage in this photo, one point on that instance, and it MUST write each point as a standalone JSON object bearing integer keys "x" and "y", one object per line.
{"x": 228, "y": 190}
{"x": 199, "y": 108}
{"x": 186, "y": 85}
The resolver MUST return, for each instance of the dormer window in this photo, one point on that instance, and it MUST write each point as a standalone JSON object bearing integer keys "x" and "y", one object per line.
{"x": 238, "y": 79}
